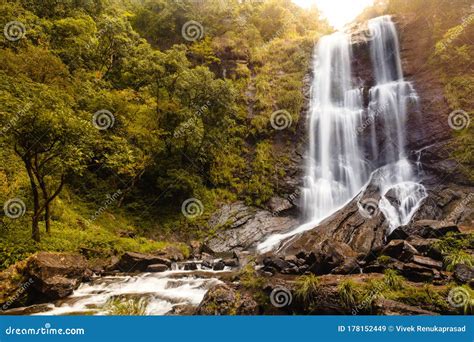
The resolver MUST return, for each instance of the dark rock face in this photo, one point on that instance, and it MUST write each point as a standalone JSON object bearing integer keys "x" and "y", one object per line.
{"x": 400, "y": 249}
{"x": 219, "y": 266}
{"x": 222, "y": 299}
{"x": 464, "y": 273}
{"x": 389, "y": 307}
{"x": 156, "y": 268}
{"x": 425, "y": 229}
{"x": 351, "y": 226}
{"x": 54, "y": 275}
{"x": 241, "y": 227}
{"x": 138, "y": 262}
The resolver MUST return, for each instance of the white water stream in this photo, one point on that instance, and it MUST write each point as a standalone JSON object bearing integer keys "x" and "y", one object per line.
{"x": 340, "y": 161}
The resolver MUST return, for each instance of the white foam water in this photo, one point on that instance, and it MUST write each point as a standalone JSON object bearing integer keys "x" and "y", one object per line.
{"x": 340, "y": 162}
{"x": 160, "y": 291}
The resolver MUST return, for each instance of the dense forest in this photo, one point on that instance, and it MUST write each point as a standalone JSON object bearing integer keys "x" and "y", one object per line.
{"x": 143, "y": 129}
{"x": 130, "y": 108}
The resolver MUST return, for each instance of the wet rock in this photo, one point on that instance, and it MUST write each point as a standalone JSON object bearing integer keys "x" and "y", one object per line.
{"x": 400, "y": 249}
{"x": 222, "y": 299}
{"x": 333, "y": 256}
{"x": 190, "y": 266}
{"x": 241, "y": 227}
{"x": 219, "y": 265}
{"x": 156, "y": 268}
{"x": 243, "y": 258}
{"x": 276, "y": 263}
{"x": 428, "y": 229}
{"x": 426, "y": 247}
{"x": 278, "y": 205}
{"x": 427, "y": 262}
{"x": 363, "y": 234}
{"x": 171, "y": 253}
{"x": 463, "y": 273}
{"x": 231, "y": 262}
{"x": 138, "y": 262}
{"x": 418, "y": 273}
{"x": 390, "y": 307}
{"x": 54, "y": 275}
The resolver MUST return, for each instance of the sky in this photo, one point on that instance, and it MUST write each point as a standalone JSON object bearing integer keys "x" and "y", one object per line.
{"x": 338, "y": 12}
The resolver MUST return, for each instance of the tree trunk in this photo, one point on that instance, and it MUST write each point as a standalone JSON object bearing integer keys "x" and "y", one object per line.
{"x": 35, "y": 233}
{"x": 47, "y": 218}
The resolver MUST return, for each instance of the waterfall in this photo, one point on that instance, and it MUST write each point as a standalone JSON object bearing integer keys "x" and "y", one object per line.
{"x": 340, "y": 161}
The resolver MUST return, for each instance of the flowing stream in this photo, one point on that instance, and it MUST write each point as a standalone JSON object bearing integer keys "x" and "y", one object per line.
{"x": 146, "y": 294}
{"x": 350, "y": 143}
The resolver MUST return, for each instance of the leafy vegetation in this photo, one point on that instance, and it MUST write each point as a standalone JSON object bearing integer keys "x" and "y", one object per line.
{"x": 306, "y": 287}
{"x": 113, "y": 99}
{"x": 127, "y": 307}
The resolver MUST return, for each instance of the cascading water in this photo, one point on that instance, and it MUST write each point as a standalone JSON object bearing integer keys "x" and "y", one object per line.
{"x": 339, "y": 163}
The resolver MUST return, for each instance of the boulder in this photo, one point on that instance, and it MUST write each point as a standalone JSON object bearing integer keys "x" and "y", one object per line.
{"x": 426, "y": 247}
{"x": 427, "y": 262}
{"x": 156, "y": 268}
{"x": 54, "y": 275}
{"x": 389, "y": 307}
{"x": 351, "y": 226}
{"x": 418, "y": 273}
{"x": 138, "y": 262}
{"x": 399, "y": 249}
{"x": 428, "y": 229}
{"x": 332, "y": 256}
{"x": 231, "y": 262}
{"x": 219, "y": 265}
{"x": 463, "y": 273}
{"x": 224, "y": 299}
{"x": 190, "y": 266}
{"x": 277, "y": 205}
{"x": 240, "y": 227}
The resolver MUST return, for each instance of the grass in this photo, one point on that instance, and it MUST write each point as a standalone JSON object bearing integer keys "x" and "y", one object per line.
{"x": 71, "y": 233}
{"x": 127, "y": 307}
{"x": 457, "y": 257}
{"x": 393, "y": 280}
{"x": 306, "y": 287}
{"x": 348, "y": 293}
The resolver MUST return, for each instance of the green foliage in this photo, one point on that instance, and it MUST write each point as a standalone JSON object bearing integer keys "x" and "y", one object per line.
{"x": 348, "y": 293}
{"x": 190, "y": 119}
{"x": 458, "y": 257}
{"x": 249, "y": 278}
{"x": 384, "y": 259}
{"x": 393, "y": 280}
{"x": 127, "y": 307}
{"x": 306, "y": 288}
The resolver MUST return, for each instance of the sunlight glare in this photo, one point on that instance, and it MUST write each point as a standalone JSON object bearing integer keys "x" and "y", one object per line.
{"x": 337, "y": 12}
